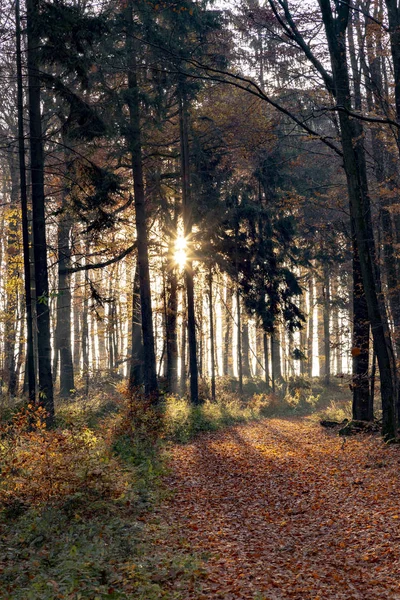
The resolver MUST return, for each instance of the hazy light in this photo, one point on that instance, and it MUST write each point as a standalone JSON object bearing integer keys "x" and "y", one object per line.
{"x": 180, "y": 256}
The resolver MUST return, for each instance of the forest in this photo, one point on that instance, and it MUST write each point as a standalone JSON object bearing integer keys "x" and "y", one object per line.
{"x": 199, "y": 299}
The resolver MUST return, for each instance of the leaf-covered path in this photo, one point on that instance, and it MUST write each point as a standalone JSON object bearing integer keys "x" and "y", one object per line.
{"x": 284, "y": 509}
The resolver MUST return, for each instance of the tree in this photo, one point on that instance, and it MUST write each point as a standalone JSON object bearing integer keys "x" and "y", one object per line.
{"x": 45, "y": 389}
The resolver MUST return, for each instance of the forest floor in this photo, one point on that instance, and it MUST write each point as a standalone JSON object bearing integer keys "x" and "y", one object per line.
{"x": 247, "y": 508}
{"x": 280, "y": 509}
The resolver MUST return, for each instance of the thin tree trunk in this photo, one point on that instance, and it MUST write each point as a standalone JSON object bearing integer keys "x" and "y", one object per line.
{"x": 183, "y": 346}
{"x": 187, "y": 224}
{"x": 239, "y": 342}
{"x": 245, "y": 347}
{"x": 77, "y": 320}
{"x": 85, "y": 337}
{"x": 30, "y": 365}
{"x": 63, "y": 342}
{"x": 12, "y": 276}
{"x": 212, "y": 341}
{"x": 136, "y": 368}
{"x": 227, "y": 349}
{"x": 320, "y": 329}
{"x": 310, "y": 322}
{"x": 266, "y": 359}
{"x": 327, "y": 331}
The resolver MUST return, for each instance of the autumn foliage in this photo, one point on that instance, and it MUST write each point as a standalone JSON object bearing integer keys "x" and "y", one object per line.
{"x": 48, "y": 466}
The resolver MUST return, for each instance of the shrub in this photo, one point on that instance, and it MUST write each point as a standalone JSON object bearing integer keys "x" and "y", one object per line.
{"x": 300, "y": 396}
{"x": 48, "y": 466}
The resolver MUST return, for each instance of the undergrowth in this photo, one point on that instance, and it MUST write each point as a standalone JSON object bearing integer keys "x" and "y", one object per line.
{"x": 73, "y": 499}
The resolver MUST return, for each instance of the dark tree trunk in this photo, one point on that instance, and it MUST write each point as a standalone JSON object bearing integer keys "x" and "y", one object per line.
{"x": 135, "y": 146}
{"x": 63, "y": 342}
{"x": 212, "y": 341}
{"x": 30, "y": 364}
{"x": 385, "y": 173}
{"x": 266, "y": 359}
{"x": 183, "y": 346}
{"x": 38, "y": 213}
{"x": 362, "y": 405}
{"x": 394, "y": 31}
{"x": 171, "y": 311}
{"x": 360, "y": 211}
{"x": 187, "y": 223}
{"x": 171, "y": 332}
{"x": 136, "y": 367}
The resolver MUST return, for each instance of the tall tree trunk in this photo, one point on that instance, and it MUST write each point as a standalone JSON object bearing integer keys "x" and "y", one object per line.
{"x": 77, "y": 319}
{"x": 362, "y": 401}
{"x": 11, "y": 288}
{"x": 385, "y": 172}
{"x": 335, "y": 322}
{"x": 136, "y": 366}
{"x": 320, "y": 329}
{"x": 266, "y": 359}
{"x": 327, "y": 330}
{"x": 63, "y": 342}
{"x": 360, "y": 211}
{"x": 310, "y": 325}
{"x": 30, "y": 364}
{"x": 394, "y": 32}
{"x": 276, "y": 359}
{"x": 239, "y": 342}
{"x": 85, "y": 337}
{"x": 303, "y": 337}
{"x": 227, "y": 348}
{"x": 135, "y": 146}
{"x": 187, "y": 224}
{"x": 171, "y": 331}
{"x": 183, "y": 346}
{"x": 245, "y": 347}
{"x": 212, "y": 341}
{"x": 38, "y": 213}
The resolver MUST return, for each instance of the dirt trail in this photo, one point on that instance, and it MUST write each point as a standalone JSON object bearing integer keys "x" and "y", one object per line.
{"x": 284, "y": 509}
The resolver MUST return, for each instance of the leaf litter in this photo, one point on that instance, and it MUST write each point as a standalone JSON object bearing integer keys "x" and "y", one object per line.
{"x": 281, "y": 509}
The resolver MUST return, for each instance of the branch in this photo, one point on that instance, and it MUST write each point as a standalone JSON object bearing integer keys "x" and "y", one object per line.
{"x": 253, "y": 88}
{"x": 100, "y": 265}
{"x": 300, "y": 41}
{"x": 361, "y": 117}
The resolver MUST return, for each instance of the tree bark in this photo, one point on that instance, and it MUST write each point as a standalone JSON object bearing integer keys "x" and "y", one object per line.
{"x": 187, "y": 224}
{"x": 30, "y": 364}
{"x": 136, "y": 366}
{"x": 266, "y": 359}
{"x": 212, "y": 341}
{"x": 246, "y": 348}
{"x": 63, "y": 342}
{"x": 360, "y": 211}
{"x": 38, "y": 213}
{"x": 227, "y": 349}
{"x": 310, "y": 323}
{"x": 135, "y": 146}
